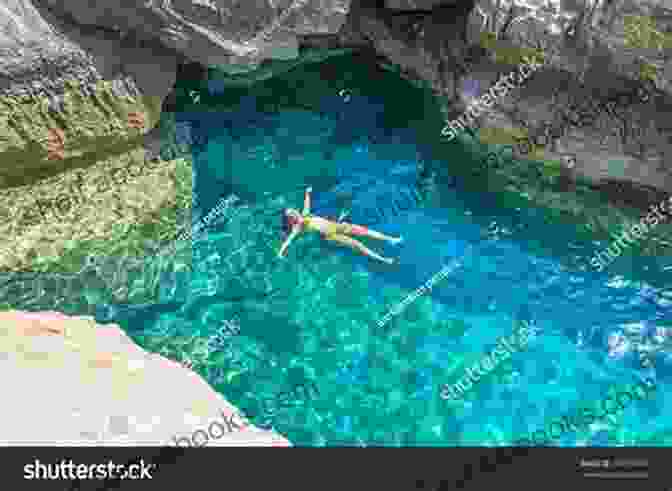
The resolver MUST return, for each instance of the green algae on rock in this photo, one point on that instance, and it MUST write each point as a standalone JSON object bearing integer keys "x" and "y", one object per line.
{"x": 103, "y": 163}
{"x": 641, "y": 32}
{"x": 273, "y": 68}
{"x": 91, "y": 122}
{"x": 507, "y": 52}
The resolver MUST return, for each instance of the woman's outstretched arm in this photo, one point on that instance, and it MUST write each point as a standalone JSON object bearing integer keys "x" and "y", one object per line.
{"x": 306, "y": 201}
{"x": 285, "y": 245}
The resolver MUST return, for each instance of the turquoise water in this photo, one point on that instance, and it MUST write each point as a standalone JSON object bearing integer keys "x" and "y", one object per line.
{"x": 311, "y": 318}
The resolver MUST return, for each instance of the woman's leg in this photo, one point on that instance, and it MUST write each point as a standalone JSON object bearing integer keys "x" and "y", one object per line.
{"x": 358, "y": 246}
{"x": 365, "y": 232}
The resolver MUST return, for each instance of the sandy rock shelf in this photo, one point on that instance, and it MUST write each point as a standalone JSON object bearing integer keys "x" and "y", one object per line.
{"x": 92, "y": 385}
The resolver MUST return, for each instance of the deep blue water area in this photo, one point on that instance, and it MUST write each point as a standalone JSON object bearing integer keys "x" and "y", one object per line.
{"x": 313, "y": 315}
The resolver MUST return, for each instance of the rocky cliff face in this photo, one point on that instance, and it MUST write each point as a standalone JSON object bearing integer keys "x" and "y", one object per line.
{"x": 219, "y": 33}
{"x": 598, "y": 53}
{"x": 83, "y": 80}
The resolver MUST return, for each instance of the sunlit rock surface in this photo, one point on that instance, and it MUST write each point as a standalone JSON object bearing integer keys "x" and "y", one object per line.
{"x": 92, "y": 385}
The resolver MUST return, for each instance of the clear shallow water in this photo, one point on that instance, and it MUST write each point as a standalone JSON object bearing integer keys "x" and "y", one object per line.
{"x": 312, "y": 317}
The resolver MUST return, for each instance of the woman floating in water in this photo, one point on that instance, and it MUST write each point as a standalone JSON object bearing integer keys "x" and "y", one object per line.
{"x": 296, "y": 222}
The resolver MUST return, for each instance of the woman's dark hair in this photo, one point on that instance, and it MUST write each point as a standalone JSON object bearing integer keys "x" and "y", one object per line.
{"x": 288, "y": 222}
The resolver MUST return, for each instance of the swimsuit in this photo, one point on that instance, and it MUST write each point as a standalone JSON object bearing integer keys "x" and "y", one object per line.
{"x": 332, "y": 230}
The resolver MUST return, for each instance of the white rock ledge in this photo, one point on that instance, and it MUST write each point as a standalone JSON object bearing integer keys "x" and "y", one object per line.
{"x": 72, "y": 382}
